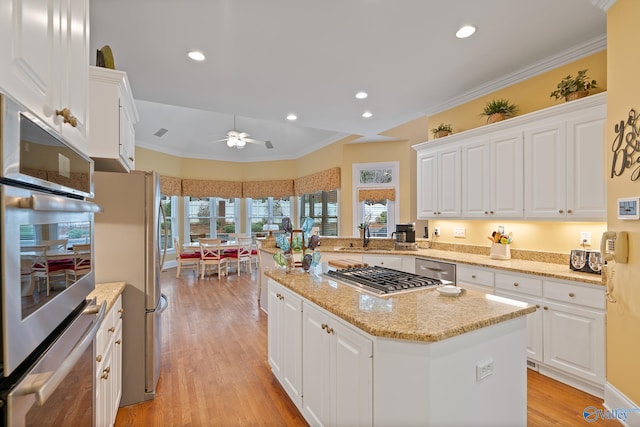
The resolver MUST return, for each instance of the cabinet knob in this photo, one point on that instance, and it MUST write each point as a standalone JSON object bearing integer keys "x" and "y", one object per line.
{"x": 546, "y": 308}
{"x": 473, "y": 276}
{"x": 516, "y": 284}
{"x": 105, "y": 373}
{"x": 537, "y": 306}
{"x": 118, "y": 341}
{"x": 571, "y": 294}
{"x": 491, "y": 212}
{"x": 67, "y": 117}
{"x": 324, "y": 326}
{"x": 112, "y": 329}
{"x": 131, "y": 158}
{"x": 99, "y": 358}
{"x": 560, "y": 211}
{"x": 486, "y": 213}
{"x": 330, "y": 330}
{"x": 569, "y": 211}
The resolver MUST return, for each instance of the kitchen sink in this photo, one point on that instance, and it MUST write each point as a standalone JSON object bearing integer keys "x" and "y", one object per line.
{"x": 356, "y": 249}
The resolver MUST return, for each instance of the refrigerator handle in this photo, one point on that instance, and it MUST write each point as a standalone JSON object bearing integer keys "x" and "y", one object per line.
{"x": 166, "y": 237}
{"x": 163, "y": 307}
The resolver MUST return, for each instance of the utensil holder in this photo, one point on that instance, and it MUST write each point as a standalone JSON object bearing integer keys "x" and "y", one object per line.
{"x": 500, "y": 251}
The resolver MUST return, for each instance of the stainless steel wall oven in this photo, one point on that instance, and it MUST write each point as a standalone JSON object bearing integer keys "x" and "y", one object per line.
{"x": 46, "y": 255}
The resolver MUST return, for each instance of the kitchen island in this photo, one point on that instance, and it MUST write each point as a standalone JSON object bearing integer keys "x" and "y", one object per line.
{"x": 419, "y": 358}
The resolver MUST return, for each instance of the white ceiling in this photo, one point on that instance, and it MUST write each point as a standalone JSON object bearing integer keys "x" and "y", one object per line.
{"x": 267, "y": 58}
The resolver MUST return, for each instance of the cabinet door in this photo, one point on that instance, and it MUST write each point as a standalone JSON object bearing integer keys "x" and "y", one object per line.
{"x": 275, "y": 329}
{"x": 427, "y": 185}
{"x": 386, "y": 261}
{"x": 586, "y": 190}
{"x": 476, "y": 176}
{"x": 317, "y": 356}
{"x": 534, "y": 324}
{"x": 574, "y": 341}
{"x": 291, "y": 367}
{"x": 449, "y": 197}
{"x": 545, "y": 171}
{"x": 127, "y": 138}
{"x": 353, "y": 396}
{"x": 506, "y": 189}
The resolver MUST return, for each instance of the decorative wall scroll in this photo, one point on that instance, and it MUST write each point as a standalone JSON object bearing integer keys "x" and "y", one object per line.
{"x": 626, "y": 147}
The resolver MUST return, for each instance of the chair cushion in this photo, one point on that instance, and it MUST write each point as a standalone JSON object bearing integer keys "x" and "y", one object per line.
{"x": 190, "y": 255}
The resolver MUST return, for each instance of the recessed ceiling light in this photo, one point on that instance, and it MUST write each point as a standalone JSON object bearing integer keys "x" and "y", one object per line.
{"x": 196, "y": 55}
{"x": 465, "y": 31}
{"x": 367, "y": 114}
{"x": 361, "y": 95}
{"x": 292, "y": 117}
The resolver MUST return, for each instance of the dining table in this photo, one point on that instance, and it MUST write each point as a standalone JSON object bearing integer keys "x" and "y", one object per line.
{"x": 195, "y": 246}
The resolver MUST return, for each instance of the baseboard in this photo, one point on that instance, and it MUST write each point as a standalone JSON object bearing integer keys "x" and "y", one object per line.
{"x": 169, "y": 264}
{"x": 585, "y": 386}
{"x": 620, "y": 407}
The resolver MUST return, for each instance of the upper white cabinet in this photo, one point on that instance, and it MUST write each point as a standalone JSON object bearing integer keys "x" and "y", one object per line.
{"x": 492, "y": 176}
{"x": 548, "y": 164}
{"x": 113, "y": 116}
{"x": 45, "y": 62}
{"x": 439, "y": 182}
{"x": 564, "y": 167}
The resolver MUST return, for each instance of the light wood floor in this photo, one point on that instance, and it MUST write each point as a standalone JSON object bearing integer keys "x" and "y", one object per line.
{"x": 215, "y": 370}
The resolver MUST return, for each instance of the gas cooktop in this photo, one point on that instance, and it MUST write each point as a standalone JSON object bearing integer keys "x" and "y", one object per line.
{"x": 383, "y": 281}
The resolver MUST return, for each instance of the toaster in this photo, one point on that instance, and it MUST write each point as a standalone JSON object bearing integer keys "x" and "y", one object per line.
{"x": 587, "y": 261}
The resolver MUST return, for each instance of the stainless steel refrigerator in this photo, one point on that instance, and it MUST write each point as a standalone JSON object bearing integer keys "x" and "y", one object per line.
{"x": 127, "y": 250}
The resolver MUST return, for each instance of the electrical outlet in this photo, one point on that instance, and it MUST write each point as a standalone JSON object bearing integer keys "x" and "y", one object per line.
{"x": 436, "y": 231}
{"x": 484, "y": 369}
{"x": 459, "y": 232}
{"x": 585, "y": 238}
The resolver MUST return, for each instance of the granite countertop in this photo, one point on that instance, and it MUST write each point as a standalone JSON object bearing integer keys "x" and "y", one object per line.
{"x": 422, "y": 315}
{"x": 108, "y": 292}
{"x": 540, "y": 268}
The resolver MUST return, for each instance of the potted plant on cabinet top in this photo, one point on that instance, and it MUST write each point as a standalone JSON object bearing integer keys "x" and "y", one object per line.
{"x": 571, "y": 88}
{"x": 499, "y": 109}
{"x": 441, "y": 130}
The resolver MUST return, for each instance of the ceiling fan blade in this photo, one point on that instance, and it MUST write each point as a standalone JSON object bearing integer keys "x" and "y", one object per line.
{"x": 221, "y": 140}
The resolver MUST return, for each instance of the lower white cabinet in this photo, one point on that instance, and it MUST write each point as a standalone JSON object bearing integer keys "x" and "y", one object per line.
{"x": 337, "y": 371}
{"x": 387, "y": 261}
{"x": 109, "y": 366}
{"x": 285, "y": 339}
{"x": 474, "y": 278}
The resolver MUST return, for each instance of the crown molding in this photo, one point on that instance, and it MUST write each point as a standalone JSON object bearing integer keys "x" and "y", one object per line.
{"x": 603, "y": 4}
{"x": 588, "y": 48}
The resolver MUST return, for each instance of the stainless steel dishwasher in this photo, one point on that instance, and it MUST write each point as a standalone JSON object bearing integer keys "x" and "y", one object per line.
{"x": 433, "y": 269}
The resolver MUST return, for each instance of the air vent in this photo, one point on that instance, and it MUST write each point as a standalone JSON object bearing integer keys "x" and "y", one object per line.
{"x": 532, "y": 365}
{"x": 160, "y": 133}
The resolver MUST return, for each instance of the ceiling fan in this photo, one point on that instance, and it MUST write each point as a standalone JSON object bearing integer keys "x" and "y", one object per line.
{"x": 238, "y": 140}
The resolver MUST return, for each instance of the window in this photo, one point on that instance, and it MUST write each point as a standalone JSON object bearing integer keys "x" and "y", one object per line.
{"x": 265, "y": 214}
{"x": 169, "y": 221}
{"x": 211, "y": 217}
{"x": 376, "y": 190}
{"x": 322, "y": 206}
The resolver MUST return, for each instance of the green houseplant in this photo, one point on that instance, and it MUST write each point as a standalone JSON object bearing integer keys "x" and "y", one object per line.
{"x": 499, "y": 109}
{"x": 571, "y": 88}
{"x": 441, "y": 130}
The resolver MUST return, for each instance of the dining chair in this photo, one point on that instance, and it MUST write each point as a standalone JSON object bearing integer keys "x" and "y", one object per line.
{"x": 81, "y": 263}
{"x": 211, "y": 254}
{"x": 241, "y": 252}
{"x": 186, "y": 259}
{"x": 43, "y": 267}
{"x": 255, "y": 253}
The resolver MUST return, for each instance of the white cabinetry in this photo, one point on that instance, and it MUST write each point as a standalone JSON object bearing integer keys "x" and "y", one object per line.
{"x": 387, "y": 261}
{"x": 45, "y": 62}
{"x": 566, "y": 334}
{"x": 113, "y": 116}
{"x": 337, "y": 371}
{"x": 285, "y": 339}
{"x": 439, "y": 182}
{"x": 475, "y": 278}
{"x": 109, "y": 366}
{"x": 492, "y": 177}
{"x": 564, "y": 166}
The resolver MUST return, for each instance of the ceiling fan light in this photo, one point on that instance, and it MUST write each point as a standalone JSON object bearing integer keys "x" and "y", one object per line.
{"x": 465, "y": 31}
{"x": 241, "y": 143}
{"x": 232, "y": 141}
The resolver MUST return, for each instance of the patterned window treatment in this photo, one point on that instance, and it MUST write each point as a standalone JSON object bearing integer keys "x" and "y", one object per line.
{"x": 258, "y": 189}
{"x": 170, "y": 185}
{"x": 326, "y": 180}
{"x": 376, "y": 194}
{"x": 208, "y": 188}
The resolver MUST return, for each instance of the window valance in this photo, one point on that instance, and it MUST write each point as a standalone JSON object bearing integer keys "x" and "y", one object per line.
{"x": 170, "y": 185}
{"x": 325, "y": 180}
{"x": 376, "y": 194}
{"x": 277, "y": 189}
{"x": 208, "y": 188}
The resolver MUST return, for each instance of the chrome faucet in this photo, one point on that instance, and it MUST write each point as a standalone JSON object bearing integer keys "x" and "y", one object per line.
{"x": 366, "y": 235}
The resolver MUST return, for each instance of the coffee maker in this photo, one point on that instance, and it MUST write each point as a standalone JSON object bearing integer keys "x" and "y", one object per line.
{"x": 405, "y": 236}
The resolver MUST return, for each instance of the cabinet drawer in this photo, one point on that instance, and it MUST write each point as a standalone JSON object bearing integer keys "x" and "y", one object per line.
{"x": 387, "y": 261}
{"x": 574, "y": 294}
{"x": 519, "y": 284}
{"x": 474, "y": 276}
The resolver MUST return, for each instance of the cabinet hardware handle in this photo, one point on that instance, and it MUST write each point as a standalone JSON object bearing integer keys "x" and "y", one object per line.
{"x": 121, "y": 311}
{"x": 571, "y": 294}
{"x": 118, "y": 341}
{"x": 516, "y": 284}
{"x": 99, "y": 358}
{"x": 324, "y": 326}
{"x": 560, "y": 211}
{"x": 67, "y": 117}
{"x": 107, "y": 369}
{"x": 546, "y": 308}
{"x": 105, "y": 374}
{"x": 329, "y": 330}
{"x": 112, "y": 329}
{"x": 131, "y": 158}
{"x": 537, "y": 305}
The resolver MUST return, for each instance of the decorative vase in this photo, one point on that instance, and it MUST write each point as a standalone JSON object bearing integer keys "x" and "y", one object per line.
{"x": 442, "y": 133}
{"x": 496, "y": 117}
{"x": 361, "y": 234}
{"x": 576, "y": 95}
